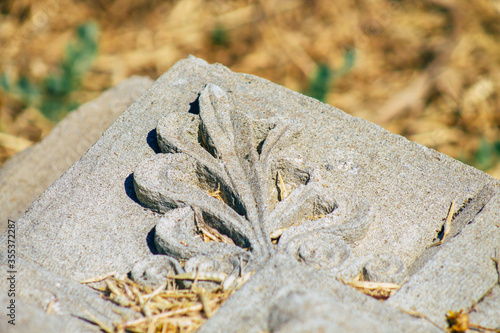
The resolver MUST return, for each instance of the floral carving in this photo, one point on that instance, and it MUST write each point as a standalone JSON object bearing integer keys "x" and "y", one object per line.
{"x": 239, "y": 182}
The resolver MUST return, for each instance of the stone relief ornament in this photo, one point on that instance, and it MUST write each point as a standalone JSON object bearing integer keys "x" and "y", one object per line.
{"x": 233, "y": 191}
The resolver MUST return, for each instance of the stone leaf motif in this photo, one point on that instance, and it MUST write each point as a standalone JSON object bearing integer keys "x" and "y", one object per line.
{"x": 241, "y": 180}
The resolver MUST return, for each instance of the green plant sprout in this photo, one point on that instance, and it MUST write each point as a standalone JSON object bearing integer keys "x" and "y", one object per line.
{"x": 53, "y": 96}
{"x": 320, "y": 83}
{"x": 219, "y": 36}
{"x": 487, "y": 155}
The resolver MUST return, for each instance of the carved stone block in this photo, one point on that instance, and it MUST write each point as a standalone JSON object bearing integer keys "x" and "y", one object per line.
{"x": 232, "y": 175}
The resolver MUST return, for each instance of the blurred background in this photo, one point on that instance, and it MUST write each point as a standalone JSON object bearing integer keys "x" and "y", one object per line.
{"x": 428, "y": 70}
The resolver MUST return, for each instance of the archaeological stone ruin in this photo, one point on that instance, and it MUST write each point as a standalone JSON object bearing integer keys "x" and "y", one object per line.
{"x": 305, "y": 201}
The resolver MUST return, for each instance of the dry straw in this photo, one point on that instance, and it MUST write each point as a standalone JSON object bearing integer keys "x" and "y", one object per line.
{"x": 165, "y": 309}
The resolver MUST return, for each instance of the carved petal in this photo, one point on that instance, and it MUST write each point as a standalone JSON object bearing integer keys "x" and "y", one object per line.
{"x": 179, "y": 133}
{"x": 385, "y": 268}
{"x": 279, "y": 136}
{"x": 305, "y": 201}
{"x": 357, "y": 226}
{"x": 321, "y": 248}
{"x": 168, "y": 181}
{"x": 327, "y": 247}
{"x": 176, "y": 236}
{"x": 154, "y": 270}
{"x": 228, "y": 136}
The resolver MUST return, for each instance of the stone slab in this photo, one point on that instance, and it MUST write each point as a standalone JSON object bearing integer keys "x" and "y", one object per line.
{"x": 90, "y": 222}
{"x": 26, "y": 175}
{"x": 252, "y": 161}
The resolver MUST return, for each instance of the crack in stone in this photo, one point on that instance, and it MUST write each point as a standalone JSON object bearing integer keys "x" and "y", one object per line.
{"x": 464, "y": 216}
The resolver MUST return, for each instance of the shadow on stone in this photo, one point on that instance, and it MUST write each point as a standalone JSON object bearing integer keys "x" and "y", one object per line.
{"x": 129, "y": 188}
{"x": 194, "y": 107}
{"x": 150, "y": 239}
{"x": 153, "y": 141}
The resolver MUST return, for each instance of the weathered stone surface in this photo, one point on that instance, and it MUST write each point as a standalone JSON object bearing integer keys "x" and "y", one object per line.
{"x": 290, "y": 188}
{"x": 26, "y": 175}
{"x": 90, "y": 219}
{"x": 278, "y": 299}
{"x": 30, "y": 318}
{"x": 460, "y": 274}
{"x": 487, "y": 312}
{"x": 70, "y": 302}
